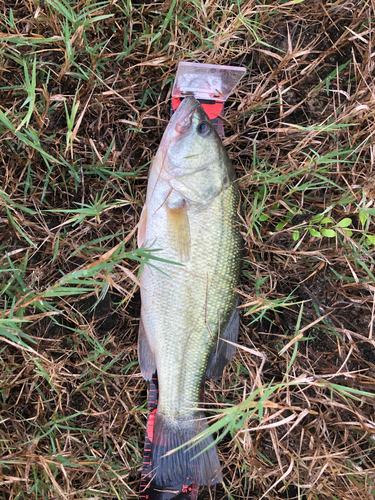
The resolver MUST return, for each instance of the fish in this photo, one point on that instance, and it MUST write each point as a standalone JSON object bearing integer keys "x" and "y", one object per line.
{"x": 188, "y": 298}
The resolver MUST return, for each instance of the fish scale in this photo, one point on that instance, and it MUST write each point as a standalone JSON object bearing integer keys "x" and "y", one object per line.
{"x": 178, "y": 301}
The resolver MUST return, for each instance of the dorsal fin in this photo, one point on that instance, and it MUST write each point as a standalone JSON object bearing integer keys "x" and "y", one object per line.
{"x": 223, "y": 353}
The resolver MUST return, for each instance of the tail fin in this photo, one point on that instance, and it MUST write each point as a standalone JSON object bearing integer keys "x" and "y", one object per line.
{"x": 183, "y": 465}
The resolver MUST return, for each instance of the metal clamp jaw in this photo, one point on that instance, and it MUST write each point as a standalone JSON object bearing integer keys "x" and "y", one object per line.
{"x": 210, "y": 84}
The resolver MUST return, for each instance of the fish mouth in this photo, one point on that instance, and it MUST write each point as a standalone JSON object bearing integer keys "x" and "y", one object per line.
{"x": 180, "y": 124}
{"x": 182, "y": 118}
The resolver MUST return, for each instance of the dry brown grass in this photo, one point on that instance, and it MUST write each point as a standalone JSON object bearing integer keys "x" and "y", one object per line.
{"x": 299, "y": 130}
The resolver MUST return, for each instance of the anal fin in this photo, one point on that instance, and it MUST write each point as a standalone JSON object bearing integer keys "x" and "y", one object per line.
{"x": 141, "y": 237}
{"x": 222, "y": 352}
{"x": 145, "y": 354}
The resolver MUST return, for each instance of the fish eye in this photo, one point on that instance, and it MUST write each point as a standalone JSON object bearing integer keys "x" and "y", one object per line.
{"x": 204, "y": 128}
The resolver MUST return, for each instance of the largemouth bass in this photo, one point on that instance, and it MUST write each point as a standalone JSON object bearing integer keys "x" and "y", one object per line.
{"x": 190, "y": 214}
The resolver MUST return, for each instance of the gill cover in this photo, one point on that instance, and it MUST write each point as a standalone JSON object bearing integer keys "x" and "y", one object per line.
{"x": 195, "y": 161}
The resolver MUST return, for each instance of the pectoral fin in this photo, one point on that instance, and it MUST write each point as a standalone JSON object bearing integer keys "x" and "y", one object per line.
{"x": 223, "y": 352}
{"x": 179, "y": 230}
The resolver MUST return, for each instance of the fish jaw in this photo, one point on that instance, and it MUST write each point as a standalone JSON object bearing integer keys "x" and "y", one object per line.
{"x": 180, "y": 124}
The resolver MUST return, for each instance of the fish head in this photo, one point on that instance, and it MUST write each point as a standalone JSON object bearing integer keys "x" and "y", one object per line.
{"x": 193, "y": 158}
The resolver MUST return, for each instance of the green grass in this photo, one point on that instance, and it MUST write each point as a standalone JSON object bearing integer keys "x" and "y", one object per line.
{"x": 85, "y": 95}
